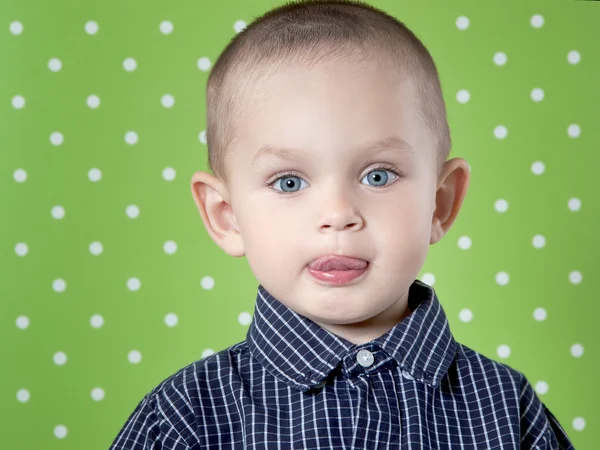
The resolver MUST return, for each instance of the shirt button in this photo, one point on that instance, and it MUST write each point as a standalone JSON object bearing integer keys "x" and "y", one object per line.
{"x": 365, "y": 358}
{"x": 407, "y": 375}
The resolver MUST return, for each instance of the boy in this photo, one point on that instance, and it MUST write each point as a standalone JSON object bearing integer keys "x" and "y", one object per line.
{"x": 328, "y": 138}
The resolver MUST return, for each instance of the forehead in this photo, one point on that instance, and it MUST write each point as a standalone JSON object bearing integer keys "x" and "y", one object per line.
{"x": 338, "y": 106}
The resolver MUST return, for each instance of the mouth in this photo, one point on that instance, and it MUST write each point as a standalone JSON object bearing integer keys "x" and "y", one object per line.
{"x": 333, "y": 262}
{"x": 337, "y": 277}
{"x": 337, "y": 269}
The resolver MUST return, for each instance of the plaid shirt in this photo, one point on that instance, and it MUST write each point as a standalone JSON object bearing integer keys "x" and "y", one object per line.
{"x": 292, "y": 384}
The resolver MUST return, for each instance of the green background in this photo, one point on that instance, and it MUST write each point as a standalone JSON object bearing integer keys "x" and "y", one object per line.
{"x": 110, "y": 283}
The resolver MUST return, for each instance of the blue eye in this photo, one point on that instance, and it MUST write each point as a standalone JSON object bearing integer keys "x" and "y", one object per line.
{"x": 292, "y": 182}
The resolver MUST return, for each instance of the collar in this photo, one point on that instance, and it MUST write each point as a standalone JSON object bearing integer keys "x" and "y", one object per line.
{"x": 300, "y": 353}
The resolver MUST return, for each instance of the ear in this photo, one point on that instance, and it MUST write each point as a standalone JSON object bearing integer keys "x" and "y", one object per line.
{"x": 212, "y": 200}
{"x": 452, "y": 189}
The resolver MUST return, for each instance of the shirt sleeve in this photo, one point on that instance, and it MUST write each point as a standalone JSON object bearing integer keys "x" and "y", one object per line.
{"x": 555, "y": 436}
{"x": 147, "y": 429}
{"x": 540, "y": 429}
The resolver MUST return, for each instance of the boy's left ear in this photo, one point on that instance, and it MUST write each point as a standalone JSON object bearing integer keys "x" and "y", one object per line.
{"x": 452, "y": 189}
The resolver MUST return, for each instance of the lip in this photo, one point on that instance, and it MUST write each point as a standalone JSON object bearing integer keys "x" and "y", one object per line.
{"x": 337, "y": 277}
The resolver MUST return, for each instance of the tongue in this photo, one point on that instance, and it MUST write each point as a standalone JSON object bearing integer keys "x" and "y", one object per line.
{"x": 344, "y": 264}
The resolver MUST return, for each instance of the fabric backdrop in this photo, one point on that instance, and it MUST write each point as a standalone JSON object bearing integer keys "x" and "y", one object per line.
{"x": 110, "y": 283}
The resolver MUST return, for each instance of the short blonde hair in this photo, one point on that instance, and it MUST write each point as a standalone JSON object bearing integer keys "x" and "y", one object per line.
{"x": 308, "y": 32}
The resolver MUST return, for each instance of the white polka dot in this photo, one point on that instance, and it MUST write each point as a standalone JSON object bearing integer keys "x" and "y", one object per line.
{"x": 207, "y": 283}
{"x": 538, "y": 168}
{"x": 170, "y": 247}
{"x": 500, "y": 58}
{"x": 22, "y": 322}
{"x": 463, "y": 96}
{"x": 91, "y": 27}
{"x": 21, "y": 249}
{"x": 462, "y": 23}
{"x": 54, "y": 64}
{"x": 129, "y": 64}
{"x": 428, "y": 279}
{"x": 56, "y": 138}
{"x": 574, "y": 130}
{"x": 203, "y": 64}
{"x": 93, "y": 101}
{"x": 573, "y": 57}
{"x": 502, "y": 278}
{"x": 540, "y": 314}
{"x": 166, "y": 27}
{"x": 202, "y": 136}
{"x": 20, "y": 175}
{"x": 58, "y": 212}
{"x": 97, "y": 394}
{"x": 16, "y": 27}
{"x": 244, "y": 318}
{"x": 96, "y": 321}
{"x": 578, "y": 423}
{"x": 208, "y": 352}
{"x": 132, "y": 211}
{"x": 60, "y": 358}
{"x": 171, "y": 319}
{"x": 18, "y": 101}
{"x": 537, "y": 95}
{"x": 23, "y": 395}
{"x": 577, "y": 350}
{"x": 538, "y": 241}
{"x": 133, "y": 284}
{"x": 134, "y": 356}
{"x": 575, "y": 277}
{"x": 464, "y": 242}
{"x": 60, "y": 431}
{"x": 167, "y": 100}
{"x": 131, "y": 137}
{"x": 59, "y": 285}
{"x": 574, "y": 204}
{"x": 501, "y": 205}
{"x": 465, "y": 315}
{"x": 500, "y": 132}
{"x": 96, "y": 248}
{"x": 541, "y": 387}
{"x": 537, "y": 21}
{"x": 239, "y": 25}
{"x": 168, "y": 173}
{"x": 94, "y": 174}
{"x": 503, "y": 351}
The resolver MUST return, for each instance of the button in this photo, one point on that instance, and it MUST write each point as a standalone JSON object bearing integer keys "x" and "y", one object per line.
{"x": 407, "y": 375}
{"x": 365, "y": 358}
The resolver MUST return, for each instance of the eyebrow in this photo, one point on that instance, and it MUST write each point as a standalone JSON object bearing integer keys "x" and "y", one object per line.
{"x": 389, "y": 143}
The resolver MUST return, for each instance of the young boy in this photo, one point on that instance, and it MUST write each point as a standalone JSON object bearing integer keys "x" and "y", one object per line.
{"x": 328, "y": 138}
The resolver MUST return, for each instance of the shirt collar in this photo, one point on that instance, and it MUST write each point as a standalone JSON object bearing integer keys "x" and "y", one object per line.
{"x": 300, "y": 353}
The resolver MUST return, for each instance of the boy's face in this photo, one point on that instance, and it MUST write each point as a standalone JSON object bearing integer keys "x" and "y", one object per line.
{"x": 329, "y": 204}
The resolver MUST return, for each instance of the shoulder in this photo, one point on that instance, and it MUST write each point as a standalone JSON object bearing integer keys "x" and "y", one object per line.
{"x": 497, "y": 377}
{"x": 476, "y": 365}
{"x": 202, "y": 373}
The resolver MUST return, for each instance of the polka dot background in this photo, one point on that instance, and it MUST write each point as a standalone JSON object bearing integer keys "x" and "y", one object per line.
{"x": 110, "y": 283}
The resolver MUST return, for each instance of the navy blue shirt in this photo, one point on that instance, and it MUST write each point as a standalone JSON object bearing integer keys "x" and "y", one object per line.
{"x": 293, "y": 384}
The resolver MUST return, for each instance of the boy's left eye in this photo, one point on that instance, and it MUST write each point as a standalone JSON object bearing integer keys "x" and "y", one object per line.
{"x": 377, "y": 175}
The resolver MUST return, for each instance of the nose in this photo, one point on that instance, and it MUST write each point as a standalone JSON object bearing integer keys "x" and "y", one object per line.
{"x": 340, "y": 213}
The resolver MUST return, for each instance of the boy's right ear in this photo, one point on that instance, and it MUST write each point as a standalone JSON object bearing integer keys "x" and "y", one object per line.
{"x": 214, "y": 205}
